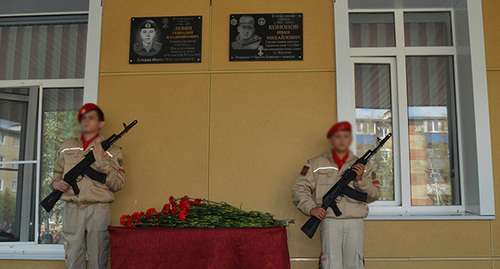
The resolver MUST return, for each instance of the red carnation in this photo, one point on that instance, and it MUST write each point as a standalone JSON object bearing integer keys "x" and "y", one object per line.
{"x": 172, "y": 202}
{"x": 137, "y": 215}
{"x": 151, "y": 211}
{"x": 124, "y": 219}
{"x": 165, "y": 209}
{"x": 182, "y": 216}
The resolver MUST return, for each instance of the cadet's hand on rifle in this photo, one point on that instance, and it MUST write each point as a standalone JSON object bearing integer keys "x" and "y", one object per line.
{"x": 60, "y": 185}
{"x": 99, "y": 152}
{"x": 318, "y": 212}
{"x": 360, "y": 170}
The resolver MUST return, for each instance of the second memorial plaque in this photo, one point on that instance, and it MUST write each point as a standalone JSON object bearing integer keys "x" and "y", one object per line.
{"x": 266, "y": 37}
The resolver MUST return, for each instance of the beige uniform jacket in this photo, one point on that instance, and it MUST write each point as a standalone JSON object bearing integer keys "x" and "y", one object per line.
{"x": 91, "y": 191}
{"x": 320, "y": 174}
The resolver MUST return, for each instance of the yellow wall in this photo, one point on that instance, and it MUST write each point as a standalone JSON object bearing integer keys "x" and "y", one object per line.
{"x": 241, "y": 131}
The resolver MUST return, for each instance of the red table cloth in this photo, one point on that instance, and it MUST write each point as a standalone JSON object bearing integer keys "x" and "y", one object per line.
{"x": 199, "y": 248}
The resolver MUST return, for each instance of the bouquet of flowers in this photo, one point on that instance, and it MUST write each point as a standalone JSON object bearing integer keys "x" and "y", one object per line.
{"x": 200, "y": 213}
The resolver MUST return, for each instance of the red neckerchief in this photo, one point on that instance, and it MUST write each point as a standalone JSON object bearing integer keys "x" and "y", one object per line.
{"x": 338, "y": 161}
{"x": 86, "y": 143}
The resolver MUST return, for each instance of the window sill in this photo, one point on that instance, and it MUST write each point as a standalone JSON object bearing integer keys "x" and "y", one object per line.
{"x": 430, "y": 216}
{"x": 31, "y": 251}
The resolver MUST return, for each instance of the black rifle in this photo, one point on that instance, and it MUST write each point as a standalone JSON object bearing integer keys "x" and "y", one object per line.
{"x": 342, "y": 188}
{"x": 83, "y": 167}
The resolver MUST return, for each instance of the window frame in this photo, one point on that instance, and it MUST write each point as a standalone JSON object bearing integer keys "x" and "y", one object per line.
{"x": 12, "y": 189}
{"x": 345, "y": 107}
{"x": 16, "y": 142}
{"x": 31, "y": 250}
{"x": 395, "y": 123}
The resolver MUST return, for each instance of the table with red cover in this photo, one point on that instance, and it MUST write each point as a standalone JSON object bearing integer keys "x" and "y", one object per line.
{"x": 199, "y": 248}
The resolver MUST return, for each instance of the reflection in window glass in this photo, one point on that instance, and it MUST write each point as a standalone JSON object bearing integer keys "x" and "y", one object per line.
{"x": 14, "y": 186}
{"x": 428, "y": 29}
{"x": 12, "y": 126}
{"x": 374, "y": 119}
{"x": 60, "y": 107}
{"x": 431, "y": 119}
{"x": 371, "y": 30}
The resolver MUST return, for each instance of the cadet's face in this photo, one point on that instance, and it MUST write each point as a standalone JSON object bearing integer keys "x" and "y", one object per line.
{"x": 341, "y": 141}
{"x": 246, "y": 31}
{"x": 148, "y": 35}
{"x": 90, "y": 122}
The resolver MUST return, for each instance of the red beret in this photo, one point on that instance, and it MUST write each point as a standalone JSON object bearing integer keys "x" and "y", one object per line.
{"x": 339, "y": 126}
{"x": 86, "y": 108}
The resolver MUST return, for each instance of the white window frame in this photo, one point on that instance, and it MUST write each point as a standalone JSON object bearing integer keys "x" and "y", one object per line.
{"x": 1, "y": 184}
{"x": 12, "y": 189}
{"x": 33, "y": 250}
{"x": 476, "y": 186}
{"x": 394, "y": 102}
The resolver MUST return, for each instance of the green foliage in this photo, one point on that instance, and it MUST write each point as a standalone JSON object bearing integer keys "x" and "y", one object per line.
{"x": 7, "y": 206}
{"x": 57, "y": 127}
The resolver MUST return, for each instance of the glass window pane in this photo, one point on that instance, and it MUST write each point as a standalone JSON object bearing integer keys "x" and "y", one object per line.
{"x": 12, "y": 125}
{"x": 371, "y": 30}
{"x": 432, "y": 130}
{"x": 428, "y": 29}
{"x": 60, "y": 107}
{"x": 374, "y": 119}
{"x": 13, "y": 115}
{"x": 47, "y": 47}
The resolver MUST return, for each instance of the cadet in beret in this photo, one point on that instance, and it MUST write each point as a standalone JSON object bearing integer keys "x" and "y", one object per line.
{"x": 86, "y": 215}
{"x": 148, "y": 46}
{"x": 341, "y": 236}
{"x": 246, "y": 39}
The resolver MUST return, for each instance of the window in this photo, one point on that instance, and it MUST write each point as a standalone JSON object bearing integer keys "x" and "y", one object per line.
{"x": 429, "y": 91}
{"x": 40, "y": 94}
{"x": 1, "y": 161}
{"x": 2, "y": 139}
{"x": 1, "y": 184}
{"x": 13, "y": 187}
{"x": 406, "y": 79}
{"x": 17, "y": 142}
{"x": 46, "y": 74}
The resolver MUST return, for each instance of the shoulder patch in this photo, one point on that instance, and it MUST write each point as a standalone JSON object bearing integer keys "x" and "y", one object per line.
{"x": 374, "y": 175}
{"x": 304, "y": 171}
{"x": 120, "y": 162}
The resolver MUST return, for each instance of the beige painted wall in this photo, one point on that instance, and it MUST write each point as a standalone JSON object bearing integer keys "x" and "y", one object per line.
{"x": 240, "y": 132}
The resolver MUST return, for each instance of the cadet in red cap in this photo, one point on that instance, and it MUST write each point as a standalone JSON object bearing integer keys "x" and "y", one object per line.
{"x": 342, "y": 236}
{"x": 86, "y": 215}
